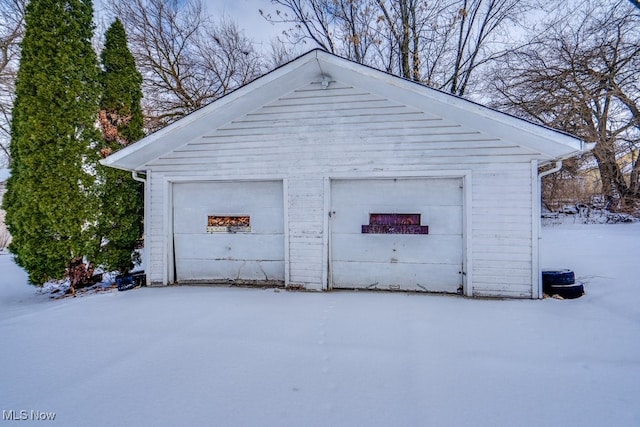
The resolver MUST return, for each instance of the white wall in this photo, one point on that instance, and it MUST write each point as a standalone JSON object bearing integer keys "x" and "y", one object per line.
{"x": 311, "y": 134}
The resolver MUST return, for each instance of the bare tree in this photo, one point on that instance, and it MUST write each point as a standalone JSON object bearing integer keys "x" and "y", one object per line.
{"x": 11, "y": 32}
{"x": 343, "y": 27}
{"x": 384, "y": 34}
{"x": 581, "y": 75}
{"x": 358, "y": 21}
{"x": 186, "y": 59}
{"x": 279, "y": 54}
{"x": 441, "y": 42}
{"x": 404, "y": 21}
{"x": 482, "y": 36}
{"x": 309, "y": 19}
{"x": 228, "y": 57}
{"x": 446, "y": 43}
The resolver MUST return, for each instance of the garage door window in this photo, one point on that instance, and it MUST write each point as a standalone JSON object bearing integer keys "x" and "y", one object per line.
{"x": 395, "y": 223}
{"x": 228, "y": 224}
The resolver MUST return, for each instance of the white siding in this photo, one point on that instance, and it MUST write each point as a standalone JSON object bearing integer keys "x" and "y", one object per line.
{"x": 155, "y": 241}
{"x": 311, "y": 134}
{"x": 306, "y": 200}
{"x": 502, "y": 246}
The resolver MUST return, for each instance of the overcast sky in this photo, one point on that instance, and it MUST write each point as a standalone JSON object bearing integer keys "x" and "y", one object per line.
{"x": 246, "y": 14}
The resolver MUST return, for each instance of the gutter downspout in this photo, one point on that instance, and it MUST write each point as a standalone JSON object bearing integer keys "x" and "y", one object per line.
{"x": 556, "y": 168}
{"x": 134, "y": 175}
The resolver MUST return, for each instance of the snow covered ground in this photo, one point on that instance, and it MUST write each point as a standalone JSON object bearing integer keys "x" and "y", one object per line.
{"x": 196, "y": 356}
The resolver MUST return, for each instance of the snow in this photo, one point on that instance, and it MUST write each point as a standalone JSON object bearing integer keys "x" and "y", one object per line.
{"x": 241, "y": 357}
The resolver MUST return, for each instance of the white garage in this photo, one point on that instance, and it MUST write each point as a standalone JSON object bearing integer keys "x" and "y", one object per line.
{"x": 326, "y": 174}
{"x": 397, "y": 234}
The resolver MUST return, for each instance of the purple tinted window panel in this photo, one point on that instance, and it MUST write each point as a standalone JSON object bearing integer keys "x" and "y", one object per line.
{"x": 394, "y": 223}
{"x": 394, "y": 219}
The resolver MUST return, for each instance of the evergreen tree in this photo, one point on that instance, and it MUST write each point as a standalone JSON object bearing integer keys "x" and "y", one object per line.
{"x": 121, "y": 120}
{"x": 50, "y": 198}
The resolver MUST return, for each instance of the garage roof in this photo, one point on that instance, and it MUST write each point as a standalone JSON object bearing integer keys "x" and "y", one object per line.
{"x": 323, "y": 67}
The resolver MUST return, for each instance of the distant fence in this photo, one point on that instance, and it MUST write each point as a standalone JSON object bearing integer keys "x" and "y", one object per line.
{"x": 583, "y": 214}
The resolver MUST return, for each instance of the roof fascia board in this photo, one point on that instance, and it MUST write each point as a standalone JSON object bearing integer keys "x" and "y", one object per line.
{"x": 248, "y": 97}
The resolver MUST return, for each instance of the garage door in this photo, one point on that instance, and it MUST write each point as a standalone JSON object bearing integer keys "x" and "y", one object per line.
{"x": 228, "y": 231}
{"x": 397, "y": 234}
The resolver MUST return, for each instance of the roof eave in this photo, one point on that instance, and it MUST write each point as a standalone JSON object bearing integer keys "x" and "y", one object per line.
{"x": 133, "y": 158}
{"x": 552, "y": 144}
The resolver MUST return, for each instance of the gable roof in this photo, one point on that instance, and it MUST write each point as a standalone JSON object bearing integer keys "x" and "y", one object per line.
{"x": 324, "y": 68}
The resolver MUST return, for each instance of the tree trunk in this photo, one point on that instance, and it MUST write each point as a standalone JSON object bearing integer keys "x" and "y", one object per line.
{"x": 406, "y": 37}
{"x": 614, "y": 185}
